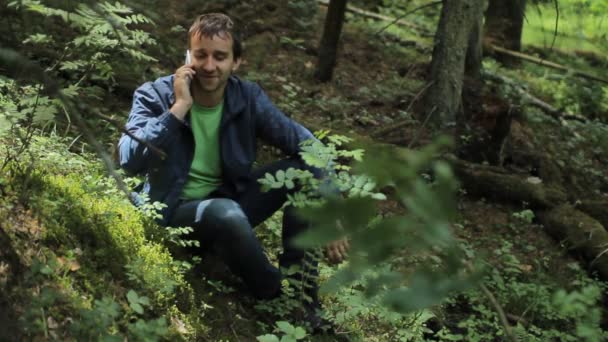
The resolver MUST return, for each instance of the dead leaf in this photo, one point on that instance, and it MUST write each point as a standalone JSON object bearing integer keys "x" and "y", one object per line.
{"x": 51, "y": 323}
{"x": 526, "y": 268}
{"x": 179, "y": 325}
{"x": 72, "y": 265}
{"x": 308, "y": 65}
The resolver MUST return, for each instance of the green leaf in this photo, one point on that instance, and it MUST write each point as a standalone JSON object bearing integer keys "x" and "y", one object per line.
{"x": 269, "y": 177}
{"x": 379, "y": 196}
{"x": 132, "y": 297}
{"x": 360, "y": 181}
{"x": 287, "y": 338}
{"x": 268, "y": 338}
{"x": 280, "y": 175}
{"x": 137, "y": 308}
{"x": 291, "y": 173}
{"x": 289, "y": 184}
{"x": 299, "y": 333}
{"x": 286, "y": 327}
{"x": 71, "y": 91}
{"x": 369, "y": 186}
{"x": 46, "y": 270}
{"x": 144, "y": 300}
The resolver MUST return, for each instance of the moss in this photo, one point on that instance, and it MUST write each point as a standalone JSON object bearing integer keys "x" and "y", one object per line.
{"x": 581, "y": 233}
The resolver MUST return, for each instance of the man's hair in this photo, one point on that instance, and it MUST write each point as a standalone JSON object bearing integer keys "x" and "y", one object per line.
{"x": 216, "y": 24}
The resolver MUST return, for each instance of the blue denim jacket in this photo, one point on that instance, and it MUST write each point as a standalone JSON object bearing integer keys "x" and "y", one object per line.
{"x": 248, "y": 114}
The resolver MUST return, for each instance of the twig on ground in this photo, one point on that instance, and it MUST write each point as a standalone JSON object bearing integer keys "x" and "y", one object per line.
{"x": 500, "y": 311}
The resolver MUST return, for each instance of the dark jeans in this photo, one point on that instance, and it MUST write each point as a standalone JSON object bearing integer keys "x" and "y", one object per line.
{"x": 224, "y": 223}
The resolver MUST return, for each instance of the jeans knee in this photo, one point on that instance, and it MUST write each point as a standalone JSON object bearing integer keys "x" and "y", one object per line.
{"x": 229, "y": 219}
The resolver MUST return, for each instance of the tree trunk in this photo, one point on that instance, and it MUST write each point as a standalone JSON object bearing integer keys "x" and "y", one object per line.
{"x": 443, "y": 97}
{"x": 329, "y": 41}
{"x": 474, "y": 49}
{"x": 503, "y": 26}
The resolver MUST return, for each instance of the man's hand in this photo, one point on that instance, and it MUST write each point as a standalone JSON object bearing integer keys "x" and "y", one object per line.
{"x": 337, "y": 251}
{"x": 181, "y": 87}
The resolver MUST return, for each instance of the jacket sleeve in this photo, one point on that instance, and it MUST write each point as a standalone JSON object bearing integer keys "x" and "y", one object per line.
{"x": 151, "y": 122}
{"x": 276, "y": 128}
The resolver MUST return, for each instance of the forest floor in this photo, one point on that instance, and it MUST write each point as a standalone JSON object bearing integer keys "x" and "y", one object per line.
{"x": 378, "y": 82}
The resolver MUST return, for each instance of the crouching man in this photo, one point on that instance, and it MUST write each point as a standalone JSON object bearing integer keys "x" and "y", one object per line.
{"x": 207, "y": 121}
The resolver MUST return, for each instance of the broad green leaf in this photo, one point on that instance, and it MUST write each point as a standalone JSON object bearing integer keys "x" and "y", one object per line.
{"x": 144, "y": 300}
{"x": 269, "y": 177}
{"x": 299, "y": 333}
{"x": 379, "y": 196}
{"x": 285, "y": 327}
{"x": 267, "y": 338}
{"x": 280, "y": 175}
{"x": 137, "y": 308}
{"x": 291, "y": 172}
{"x": 369, "y": 186}
{"x": 132, "y": 296}
{"x": 360, "y": 181}
{"x": 289, "y": 184}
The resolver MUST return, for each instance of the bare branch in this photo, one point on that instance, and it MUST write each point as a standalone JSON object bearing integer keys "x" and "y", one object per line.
{"x": 431, "y": 4}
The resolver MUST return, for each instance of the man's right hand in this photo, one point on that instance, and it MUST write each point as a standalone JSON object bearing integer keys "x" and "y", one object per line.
{"x": 181, "y": 87}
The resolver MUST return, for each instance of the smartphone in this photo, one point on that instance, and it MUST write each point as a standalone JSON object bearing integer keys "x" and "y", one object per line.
{"x": 188, "y": 57}
{"x": 188, "y": 61}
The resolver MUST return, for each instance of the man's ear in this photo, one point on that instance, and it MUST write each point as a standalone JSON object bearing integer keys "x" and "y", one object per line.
{"x": 236, "y": 65}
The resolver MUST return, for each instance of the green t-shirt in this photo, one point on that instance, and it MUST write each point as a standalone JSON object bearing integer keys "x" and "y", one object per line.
{"x": 206, "y": 171}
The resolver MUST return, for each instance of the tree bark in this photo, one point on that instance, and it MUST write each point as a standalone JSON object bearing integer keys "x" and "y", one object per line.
{"x": 329, "y": 42}
{"x": 503, "y": 26}
{"x": 444, "y": 96}
{"x": 475, "y": 45}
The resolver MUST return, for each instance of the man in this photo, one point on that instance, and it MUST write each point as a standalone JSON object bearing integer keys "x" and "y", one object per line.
{"x": 207, "y": 121}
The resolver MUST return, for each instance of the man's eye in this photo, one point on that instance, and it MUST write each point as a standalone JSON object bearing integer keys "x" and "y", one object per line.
{"x": 220, "y": 57}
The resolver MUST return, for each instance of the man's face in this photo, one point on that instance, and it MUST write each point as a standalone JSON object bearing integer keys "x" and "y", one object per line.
{"x": 213, "y": 61}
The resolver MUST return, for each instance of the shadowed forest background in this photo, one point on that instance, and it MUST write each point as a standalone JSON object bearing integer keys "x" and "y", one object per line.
{"x": 469, "y": 139}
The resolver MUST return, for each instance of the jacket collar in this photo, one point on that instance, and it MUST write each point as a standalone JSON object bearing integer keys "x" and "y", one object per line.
{"x": 233, "y": 99}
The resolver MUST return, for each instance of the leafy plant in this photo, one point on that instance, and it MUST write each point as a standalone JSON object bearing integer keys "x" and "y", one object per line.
{"x": 373, "y": 239}
{"x": 288, "y": 332}
{"x": 137, "y": 303}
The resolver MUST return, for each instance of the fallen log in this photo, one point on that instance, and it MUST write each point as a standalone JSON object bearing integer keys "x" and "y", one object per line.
{"x": 581, "y": 233}
{"x": 598, "y": 209}
{"x": 497, "y": 183}
{"x": 493, "y": 48}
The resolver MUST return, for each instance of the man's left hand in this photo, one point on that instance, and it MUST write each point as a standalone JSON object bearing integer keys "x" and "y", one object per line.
{"x": 337, "y": 251}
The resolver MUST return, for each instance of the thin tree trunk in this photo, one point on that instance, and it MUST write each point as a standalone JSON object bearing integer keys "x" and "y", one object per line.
{"x": 503, "y": 26}
{"x": 443, "y": 98}
{"x": 474, "y": 48}
{"x": 329, "y": 42}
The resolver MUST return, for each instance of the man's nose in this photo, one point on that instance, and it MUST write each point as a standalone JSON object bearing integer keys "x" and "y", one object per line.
{"x": 209, "y": 64}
